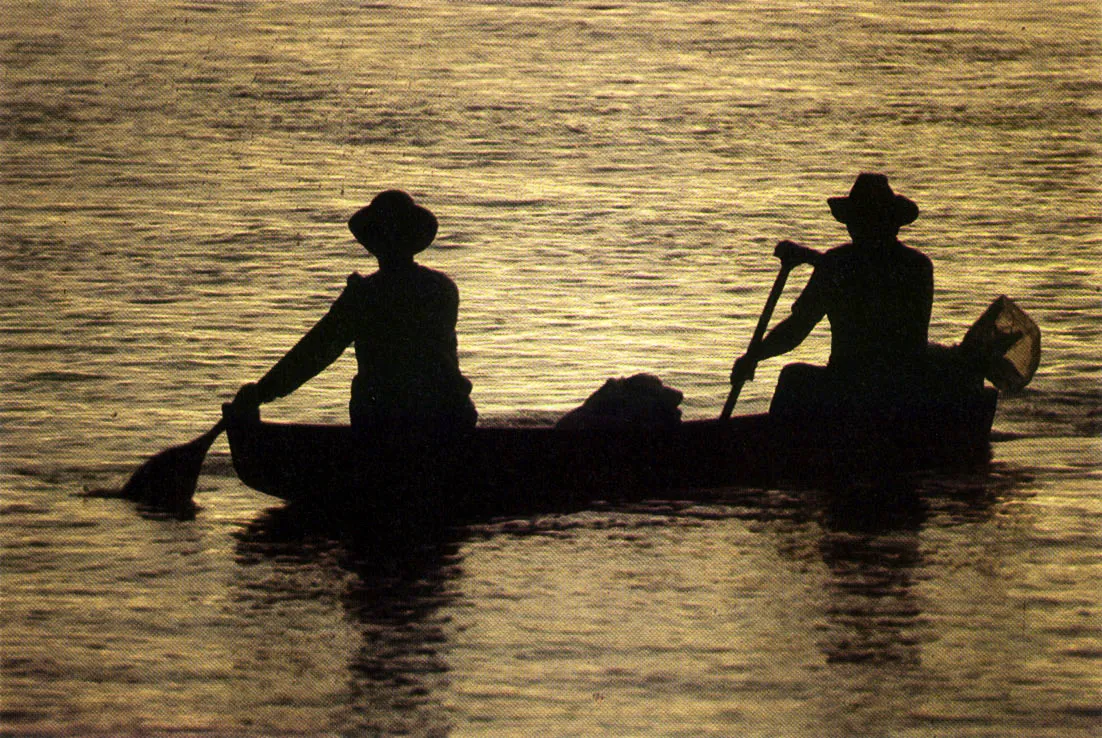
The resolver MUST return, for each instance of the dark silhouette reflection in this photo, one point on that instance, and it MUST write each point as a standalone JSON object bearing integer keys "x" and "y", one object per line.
{"x": 872, "y": 610}
{"x": 870, "y": 539}
{"x": 391, "y": 589}
{"x": 870, "y": 545}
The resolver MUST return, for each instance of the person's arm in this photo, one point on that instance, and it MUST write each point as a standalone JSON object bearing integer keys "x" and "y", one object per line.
{"x": 315, "y": 351}
{"x": 807, "y": 311}
{"x": 319, "y": 348}
{"x": 786, "y": 335}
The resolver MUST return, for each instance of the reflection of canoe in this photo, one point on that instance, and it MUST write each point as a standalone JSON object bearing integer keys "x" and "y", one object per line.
{"x": 515, "y": 469}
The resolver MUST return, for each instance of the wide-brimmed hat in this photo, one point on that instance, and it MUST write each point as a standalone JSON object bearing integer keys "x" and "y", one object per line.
{"x": 393, "y": 223}
{"x": 871, "y": 199}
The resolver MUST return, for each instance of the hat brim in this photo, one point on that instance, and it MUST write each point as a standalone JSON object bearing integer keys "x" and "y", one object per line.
{"x": 845, "y": 210}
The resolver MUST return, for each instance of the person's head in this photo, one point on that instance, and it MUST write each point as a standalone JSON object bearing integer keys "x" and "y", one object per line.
{"x": 871, "y": 211}
{"x": 393, "y": 227}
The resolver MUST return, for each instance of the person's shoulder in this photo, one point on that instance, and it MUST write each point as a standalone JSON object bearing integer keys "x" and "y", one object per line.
{"x": 437, "y": 279}
{"x": 430, "y": 273}
{"x": 358, "y": 284}
{"x": 916, "y": 257}
{"x": 835, "y": 255}
{"x": 359, "y": 290}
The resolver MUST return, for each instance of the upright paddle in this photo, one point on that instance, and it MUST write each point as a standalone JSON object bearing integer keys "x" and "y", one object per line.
{"x": 167, "y": 480}
{"x": 791, "y": 255}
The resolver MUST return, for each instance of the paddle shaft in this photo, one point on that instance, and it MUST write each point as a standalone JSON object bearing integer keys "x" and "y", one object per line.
{"x": 791, "y": 255}
{"x": 216, "y": 430}
{"x": 759, "y": 332}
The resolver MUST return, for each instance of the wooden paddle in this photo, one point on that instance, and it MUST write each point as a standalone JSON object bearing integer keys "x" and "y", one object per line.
{"x": 167, "y": 480}
{"x": 791, "y": 255}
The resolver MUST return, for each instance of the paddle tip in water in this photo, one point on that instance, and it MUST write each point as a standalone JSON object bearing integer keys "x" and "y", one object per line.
{"x": 166, "y": 481}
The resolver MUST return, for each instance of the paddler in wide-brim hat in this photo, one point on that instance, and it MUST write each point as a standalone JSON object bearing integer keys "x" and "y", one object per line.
{"x": 402, "y": 320}
{"x": 876, "y": 293}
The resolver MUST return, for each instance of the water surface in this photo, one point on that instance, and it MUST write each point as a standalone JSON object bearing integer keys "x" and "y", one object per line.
{"x": 610, "y": 179}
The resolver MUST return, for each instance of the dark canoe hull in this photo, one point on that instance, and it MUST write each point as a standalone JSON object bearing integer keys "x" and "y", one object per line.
{"x": 513, "y": 470}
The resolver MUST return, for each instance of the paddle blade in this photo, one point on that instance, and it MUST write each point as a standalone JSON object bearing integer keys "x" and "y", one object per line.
{"x": 1008, "y": 344}
{"x": 167, "y": 480}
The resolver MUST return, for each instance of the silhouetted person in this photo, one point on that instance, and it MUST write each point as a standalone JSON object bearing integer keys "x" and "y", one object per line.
{"x": 877, "y": 295}
{"x": 402, "y": 320}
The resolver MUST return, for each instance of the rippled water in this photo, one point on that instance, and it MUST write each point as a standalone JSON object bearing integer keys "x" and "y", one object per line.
{"x": 610, "y": 179}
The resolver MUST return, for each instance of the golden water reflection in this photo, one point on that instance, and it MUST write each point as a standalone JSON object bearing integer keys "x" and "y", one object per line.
{"x": 799, "y": 608}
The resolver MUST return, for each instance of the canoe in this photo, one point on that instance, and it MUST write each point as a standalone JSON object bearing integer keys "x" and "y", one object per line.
{"x": 519, "y": 469}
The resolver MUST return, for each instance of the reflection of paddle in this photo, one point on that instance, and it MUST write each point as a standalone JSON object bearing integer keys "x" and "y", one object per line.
{"x": 791, "y": 255}
{"x": 167, "y": 480}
